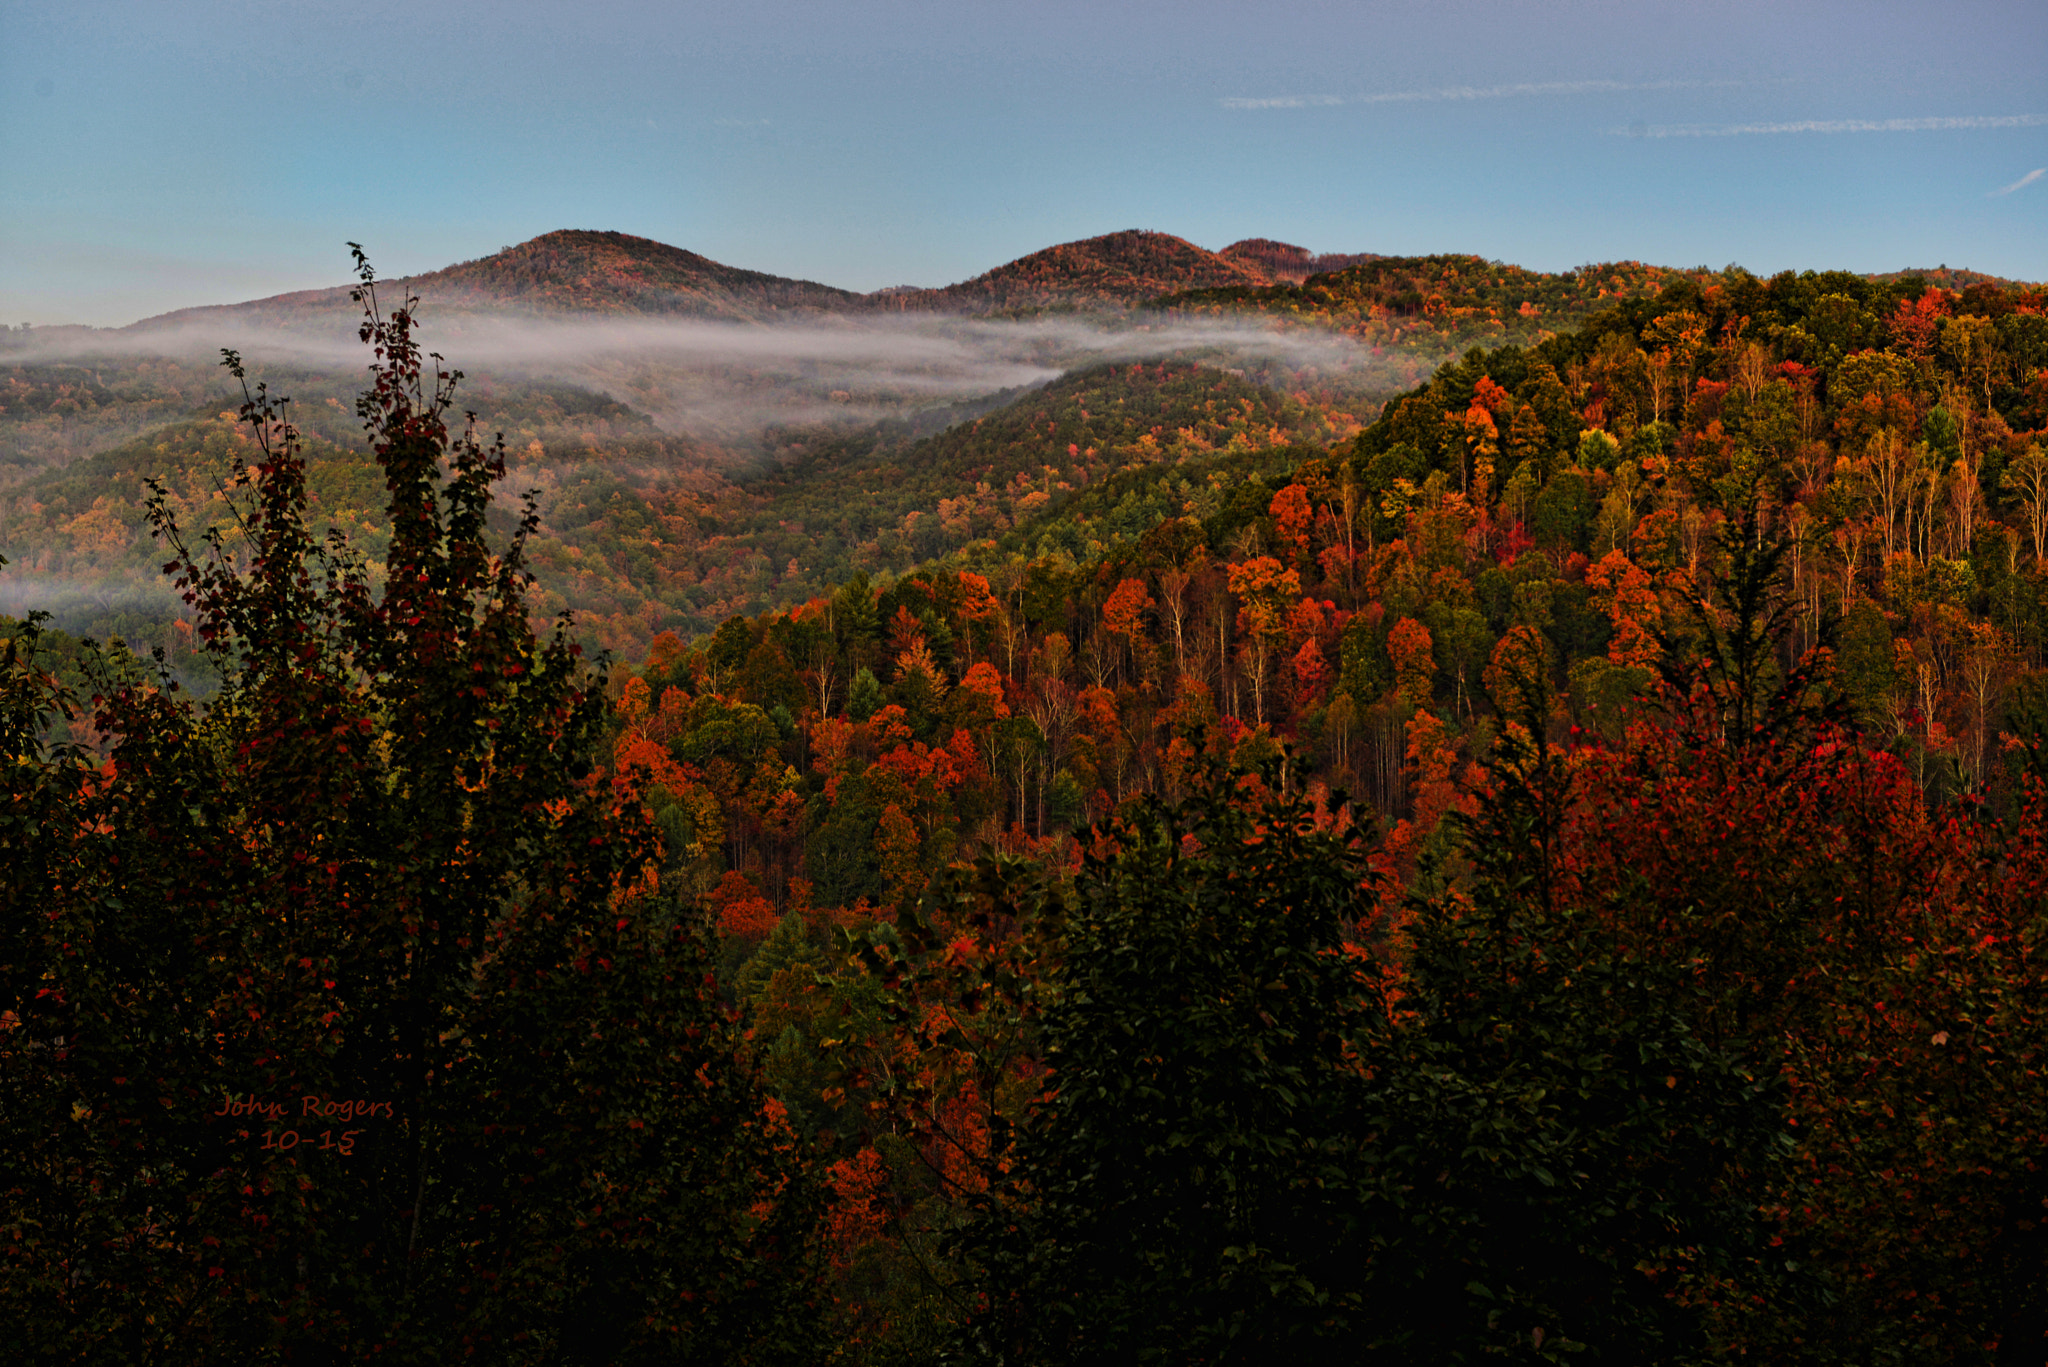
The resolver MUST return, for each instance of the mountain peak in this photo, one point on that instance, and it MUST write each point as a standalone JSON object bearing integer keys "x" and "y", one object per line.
{"x": 587, "y": 271}
{"x": 571, "y": 270}
{"x": 1121, "y": 269}
{"x": 1284, "y": 261}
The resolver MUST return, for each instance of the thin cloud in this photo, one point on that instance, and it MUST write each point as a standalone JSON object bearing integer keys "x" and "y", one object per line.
{"x": 1469, "y": 92}
{"x": 1737, "y": 130}
{"x": 1284, "y": 102}
{"x": 2028, "y": 179}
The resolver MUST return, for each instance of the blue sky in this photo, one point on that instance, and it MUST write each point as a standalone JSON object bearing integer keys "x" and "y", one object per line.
{"x": 156, "y": 155}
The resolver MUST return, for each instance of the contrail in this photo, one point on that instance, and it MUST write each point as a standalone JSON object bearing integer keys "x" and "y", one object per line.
{"x": 1736, "y": 130}
{"x": 2028, "y": 179}
{"x": 1468, "y": 92}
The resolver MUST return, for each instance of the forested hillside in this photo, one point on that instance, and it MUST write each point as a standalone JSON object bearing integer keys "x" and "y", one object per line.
{"x": 1286, "y": 263}
{"x": 1442, "y": 304}
{"x": 648, "y": 528}
{"x": 55, "y": 412}
{"x": 1570, "y": 501}
{"x": 1720, "y": 533}
{"x": 641, "y": 531}
{"x": 571, "y": 270}
{"x": 1551, "y": 872}
{"x": 872, "y": 505}
{"x": 78, "y": 536}
{"x": 1119, "y": 270}
{"x": 645, "y": 530}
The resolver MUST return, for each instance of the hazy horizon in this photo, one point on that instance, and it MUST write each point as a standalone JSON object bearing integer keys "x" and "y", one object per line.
{"x": 338, "y": 283}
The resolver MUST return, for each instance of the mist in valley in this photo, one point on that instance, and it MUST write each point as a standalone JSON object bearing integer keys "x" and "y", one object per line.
{"x": 725, "y": 383}
{"x": 660, "y": 418}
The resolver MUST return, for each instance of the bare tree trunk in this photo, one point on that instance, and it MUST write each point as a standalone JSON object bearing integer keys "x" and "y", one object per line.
{"x": 1173, "y": 600}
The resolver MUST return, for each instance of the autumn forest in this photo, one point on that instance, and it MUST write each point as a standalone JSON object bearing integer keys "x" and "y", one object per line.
{"x": 1367, "y": 808}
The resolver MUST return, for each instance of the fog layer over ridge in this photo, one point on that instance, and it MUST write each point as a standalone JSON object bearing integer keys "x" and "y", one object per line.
{"x": 729, "y": 380}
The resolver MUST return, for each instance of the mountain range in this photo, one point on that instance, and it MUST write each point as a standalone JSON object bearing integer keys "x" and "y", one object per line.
{"x": 617, "y": 274}
{"x": 706, "y": 440}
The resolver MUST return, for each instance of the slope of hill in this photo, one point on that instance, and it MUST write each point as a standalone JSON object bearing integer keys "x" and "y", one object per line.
{"x": 616, "y": 274}
{"x": 593, "y": 272}
{"x": 1287, "y": 263}
{"x": 1440, "y": 305}
{"x": 888, "y": 505}
{"x": 575, "y": 271}
{"x": 1958, "y": 279}
{"x": 644, "y": 528}
{"x": 640, "y": 530}
{"x": 1118, "y": 270}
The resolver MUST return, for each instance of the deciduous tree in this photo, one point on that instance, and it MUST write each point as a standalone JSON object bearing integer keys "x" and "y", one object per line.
{"x": 351, "y": 1023}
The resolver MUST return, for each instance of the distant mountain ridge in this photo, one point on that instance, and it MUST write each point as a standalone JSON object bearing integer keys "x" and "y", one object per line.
{"x": 603, "y": 272}
{"x": 583, "y": 271}
{"x": 1288, "y": 264}
{"x": 578, "y": 271}
{"x": 1123, "y": 269}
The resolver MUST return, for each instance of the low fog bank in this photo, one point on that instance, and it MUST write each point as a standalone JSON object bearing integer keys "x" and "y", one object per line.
{"x": 734, "y": 401}
{"x": 135, "y": 607}
{"x": 729, "y": 381}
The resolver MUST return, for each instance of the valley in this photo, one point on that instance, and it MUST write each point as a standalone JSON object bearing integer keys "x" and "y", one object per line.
{"x": 683, "y": 422}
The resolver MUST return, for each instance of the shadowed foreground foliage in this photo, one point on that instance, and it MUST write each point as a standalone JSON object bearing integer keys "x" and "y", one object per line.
{"x": 343, "y": 1020}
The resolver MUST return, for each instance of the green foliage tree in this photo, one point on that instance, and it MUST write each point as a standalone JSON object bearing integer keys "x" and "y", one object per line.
{"x": 1187, "y": 1189}
{"x": 1259, "y": 1140}
{"x": 342, "y": 1018}
{"x": 1568, "y": 1160}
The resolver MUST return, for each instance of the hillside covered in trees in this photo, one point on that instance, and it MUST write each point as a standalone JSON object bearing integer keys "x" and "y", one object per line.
{"x": 1571, "y": 499}
{"x": 1551, "y": 869}
{"x": 651, "y": 526}
{"x": 1706, "y": 551}
{"x": 1117, "y": 269}
{"x": 571, "y": 270}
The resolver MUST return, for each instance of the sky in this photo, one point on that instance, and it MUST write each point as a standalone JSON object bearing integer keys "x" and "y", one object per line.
{"x": 179, "y": 152}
